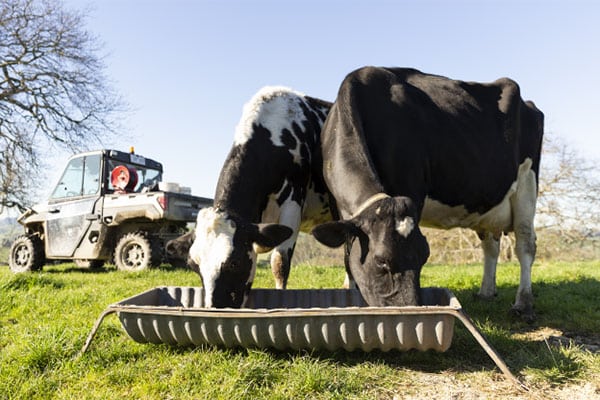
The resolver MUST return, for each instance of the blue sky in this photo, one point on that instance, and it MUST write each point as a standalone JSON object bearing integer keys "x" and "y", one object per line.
{"x": 187, "y": 67}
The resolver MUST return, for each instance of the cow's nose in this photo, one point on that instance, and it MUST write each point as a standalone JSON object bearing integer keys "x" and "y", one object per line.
{"x": 382, "y": 263}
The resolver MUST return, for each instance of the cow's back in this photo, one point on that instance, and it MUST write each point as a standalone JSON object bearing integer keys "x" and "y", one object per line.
{"x": 458, "y": 143}
{"x": 275, "y": 155}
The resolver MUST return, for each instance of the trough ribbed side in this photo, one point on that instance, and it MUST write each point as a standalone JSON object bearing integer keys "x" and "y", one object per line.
{"x": 326, "y": 319}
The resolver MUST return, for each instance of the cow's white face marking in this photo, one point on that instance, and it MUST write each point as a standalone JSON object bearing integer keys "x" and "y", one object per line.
{"x": 405, "y": 226}
{"x": 275, "y": 108}
{"x": 213, "y": 245}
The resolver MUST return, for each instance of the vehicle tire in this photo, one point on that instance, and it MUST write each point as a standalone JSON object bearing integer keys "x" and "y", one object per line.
{"x": 136, "y": 251}
{"x": 91, "y": 264}
{"x": 26, "y": 254}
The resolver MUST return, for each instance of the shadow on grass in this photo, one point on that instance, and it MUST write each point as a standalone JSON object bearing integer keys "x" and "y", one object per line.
{"x": 72, "y": 268}
{"x": 564, "y": 305}
{"x": 75, "y": 269}
{"x": 28, "y": 281}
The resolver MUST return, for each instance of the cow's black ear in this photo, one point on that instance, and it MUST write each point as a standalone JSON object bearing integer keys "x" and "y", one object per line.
{"x": 270, "y": 235}
{"x": 333, "y": 234}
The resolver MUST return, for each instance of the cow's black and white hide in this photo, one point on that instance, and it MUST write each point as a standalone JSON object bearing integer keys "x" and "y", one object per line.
{"x": 403, "y": 148}
{"x": 270, "y": 188}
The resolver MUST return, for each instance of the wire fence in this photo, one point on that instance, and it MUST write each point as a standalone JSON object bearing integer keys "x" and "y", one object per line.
{"x": 463, "y": 246}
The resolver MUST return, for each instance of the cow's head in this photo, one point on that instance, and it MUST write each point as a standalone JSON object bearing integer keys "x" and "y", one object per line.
{"x": 385, "y": 251}
{"x": 222, "y": 250}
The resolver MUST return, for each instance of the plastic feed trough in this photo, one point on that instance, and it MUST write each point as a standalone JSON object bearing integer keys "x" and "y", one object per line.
{"x": 328, "y": 319}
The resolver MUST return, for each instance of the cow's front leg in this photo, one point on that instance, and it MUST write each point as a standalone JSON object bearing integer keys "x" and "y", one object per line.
{"x": 281, "y": 257}
{"x": 491, "y": 249}
{"x": 349, "y": 282}
{"x": 281, "y": 260}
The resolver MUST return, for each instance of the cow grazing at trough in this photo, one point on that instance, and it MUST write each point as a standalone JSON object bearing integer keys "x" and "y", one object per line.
{"x": 400, "y": 148}
{"x": 270, "y": 187}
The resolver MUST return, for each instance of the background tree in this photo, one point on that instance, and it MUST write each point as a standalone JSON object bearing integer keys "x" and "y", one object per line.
{"x": 53, "y": 92}
{"x": 569, "y": 194}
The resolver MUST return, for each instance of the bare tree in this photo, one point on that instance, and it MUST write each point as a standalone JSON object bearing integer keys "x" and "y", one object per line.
{"x": 52, "y": 91}
{"x": 569, "y": 191}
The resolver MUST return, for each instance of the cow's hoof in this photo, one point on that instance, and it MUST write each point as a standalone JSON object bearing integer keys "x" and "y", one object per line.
{"x": 485, "y": 297}
{"x": 527, "y": 315}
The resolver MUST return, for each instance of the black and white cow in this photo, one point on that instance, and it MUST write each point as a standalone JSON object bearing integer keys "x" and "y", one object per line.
{"x": 400, "y": 148}
{"x": 270, "y": 187}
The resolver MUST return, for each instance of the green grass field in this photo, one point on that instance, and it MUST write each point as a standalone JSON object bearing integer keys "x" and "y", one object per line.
{"x": 45, "y": 318}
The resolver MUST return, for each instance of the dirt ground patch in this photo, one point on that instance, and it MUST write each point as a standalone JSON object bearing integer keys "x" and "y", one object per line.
{"x": 449, "y": 386}
{"x": 479, "y": 385}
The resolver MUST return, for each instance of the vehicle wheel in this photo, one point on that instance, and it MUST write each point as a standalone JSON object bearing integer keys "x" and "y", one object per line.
{"x": 91, "y": 264}
{"x": 135, "y": 251}
{"x": 26, "y": 254}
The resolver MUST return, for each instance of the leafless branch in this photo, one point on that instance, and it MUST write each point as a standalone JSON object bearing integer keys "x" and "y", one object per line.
{"x": 53, "y": 90}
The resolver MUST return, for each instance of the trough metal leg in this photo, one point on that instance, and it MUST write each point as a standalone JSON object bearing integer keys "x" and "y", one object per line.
{"x": 88, "y": 341}
{"x": 464, "y": 318}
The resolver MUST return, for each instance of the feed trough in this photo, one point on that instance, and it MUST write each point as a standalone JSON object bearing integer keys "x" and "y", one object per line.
{"x": 322, "y": 319}
{"x": 326, "y": 319}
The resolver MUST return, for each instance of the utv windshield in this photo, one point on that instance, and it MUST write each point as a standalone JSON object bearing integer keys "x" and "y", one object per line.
{"x": 80, "y": 178}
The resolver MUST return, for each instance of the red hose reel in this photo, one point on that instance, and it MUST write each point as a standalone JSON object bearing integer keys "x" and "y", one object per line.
{"x": 123, "y": 179}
